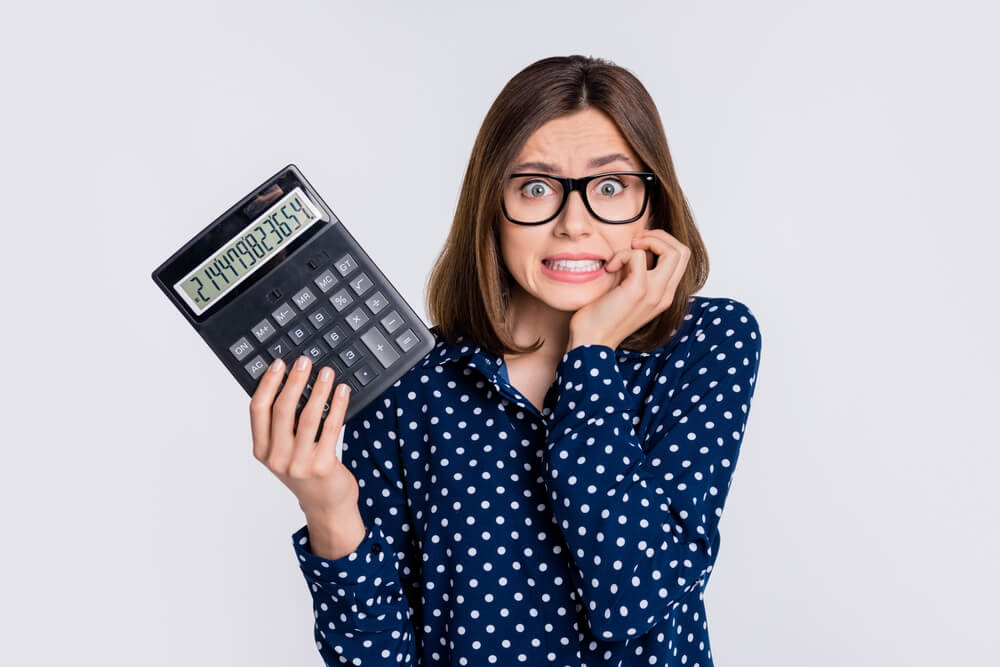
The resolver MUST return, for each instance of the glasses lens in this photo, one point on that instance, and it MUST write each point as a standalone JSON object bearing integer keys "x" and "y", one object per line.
{"x": 614, "y": 197}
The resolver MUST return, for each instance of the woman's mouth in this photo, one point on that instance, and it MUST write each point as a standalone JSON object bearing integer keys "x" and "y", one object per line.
{"x": 573, "y": 271}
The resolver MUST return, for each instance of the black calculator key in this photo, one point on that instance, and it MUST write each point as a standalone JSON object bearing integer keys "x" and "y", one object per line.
{"x": 341, "y": 300}
{"x": 256, "y": 367}
{"x": 392, "y": 321}
{"x": 299, "y": 333}
{"x": 320, "y": 318}
{"x": 364, "y": 374}
{"x": 241, "y": 348}
{"x": 263, "y": 330}
{"x": 346, "y": 264}
{"x": 316, "y": 351}
{"x": 304, "y": 298}
{"x": 407, "y": 340}
{"x": 357, "y": 319}
{"x": 376, "y": 302}
{"x": 380, "y": 347}
{"x": 334, "y": 337}
{"x": 350, "y": 356}
{"x": 284, "y": 314}
{"x": 325, "y": 281}
{"x": 280, "y": 348}
{"x": 361, "y": 284}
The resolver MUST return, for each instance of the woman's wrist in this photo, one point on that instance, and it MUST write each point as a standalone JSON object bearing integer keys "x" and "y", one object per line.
{"x": 333, "y": 535}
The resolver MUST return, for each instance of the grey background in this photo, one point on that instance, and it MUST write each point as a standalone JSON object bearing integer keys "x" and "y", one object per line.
{"x": 840, "y": 160}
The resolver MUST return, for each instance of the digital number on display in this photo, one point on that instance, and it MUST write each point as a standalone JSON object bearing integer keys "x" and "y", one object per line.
{"x": 246, "y": 252}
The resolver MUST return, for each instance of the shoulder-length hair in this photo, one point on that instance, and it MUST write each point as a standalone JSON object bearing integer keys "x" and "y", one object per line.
{"x": 468, "y": 288}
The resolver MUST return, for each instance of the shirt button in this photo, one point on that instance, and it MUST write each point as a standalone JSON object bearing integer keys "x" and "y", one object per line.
{"x": 376, "y": 548}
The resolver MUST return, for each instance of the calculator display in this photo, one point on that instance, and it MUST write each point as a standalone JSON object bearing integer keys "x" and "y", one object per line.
{"x": 249, "y": 250}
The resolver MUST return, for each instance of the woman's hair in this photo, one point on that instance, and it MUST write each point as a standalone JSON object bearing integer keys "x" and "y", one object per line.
{"x": 467, "y": 291}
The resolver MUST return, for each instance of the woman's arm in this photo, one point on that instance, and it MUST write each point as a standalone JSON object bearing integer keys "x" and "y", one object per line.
{"x": 641, "y": 522}
{"x": 362, "y": 614}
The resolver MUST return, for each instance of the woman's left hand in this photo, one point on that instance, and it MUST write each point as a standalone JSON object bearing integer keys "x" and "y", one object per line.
{"x": 640, "y": 295}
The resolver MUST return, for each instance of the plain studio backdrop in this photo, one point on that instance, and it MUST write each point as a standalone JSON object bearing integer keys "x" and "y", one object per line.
{"x": 840, "y": 161}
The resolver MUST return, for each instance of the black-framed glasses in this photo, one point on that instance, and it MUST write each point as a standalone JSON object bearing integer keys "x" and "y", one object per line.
{"x": 614, "y": 197}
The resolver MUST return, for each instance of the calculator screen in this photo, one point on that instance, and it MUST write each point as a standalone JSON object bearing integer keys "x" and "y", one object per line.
{"x": 247, "y": 251}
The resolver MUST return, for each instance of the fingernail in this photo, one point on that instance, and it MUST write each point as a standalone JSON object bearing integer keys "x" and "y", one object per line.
{"x": 277, "y": 365}
{"x": 325, "y": 374}
{"x": 302, "y": 362}
{"x": 344, "y": 390}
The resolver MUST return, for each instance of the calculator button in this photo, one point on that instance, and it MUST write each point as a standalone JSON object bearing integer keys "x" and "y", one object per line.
{"x": 341, "y": 300}
{"x": 284, "y": 314}
{"x": 256, "y": 367}
{"x": 241, "y": 348}
{"x": 357, "y": 319}
{"x": 304, "y": 298}
{"x": 361, "y": 284}
{"x": 316, "y": 351}
{"x": 380, "y": 347}
{"x": 377, "y": 302}
{"x": 280, "y": 348}
{"x": 392, "y": 321}
{"x": 350, "y": 356}
{"x": 263, "y": 330}
{"x": 346, "y": 264}
{"x": 320, "y": 318}
{"x": 299, "y": 333}
{"x": 334, "y": 337}
{"x": 364, "y": 375}
{"x": 406, "y": 340}
{"x": 325, "y": 281}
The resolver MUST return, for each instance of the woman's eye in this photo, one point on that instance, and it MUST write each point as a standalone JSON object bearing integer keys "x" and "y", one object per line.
{"x": 609, "y": 187}
{"x": 535, "y": 189}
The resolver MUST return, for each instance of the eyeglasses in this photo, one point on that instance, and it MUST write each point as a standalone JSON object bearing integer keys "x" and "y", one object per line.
{"x": 615, "y": 197}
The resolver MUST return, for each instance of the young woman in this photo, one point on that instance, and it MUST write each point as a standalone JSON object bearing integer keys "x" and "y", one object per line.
{"x": 545, "y": 486}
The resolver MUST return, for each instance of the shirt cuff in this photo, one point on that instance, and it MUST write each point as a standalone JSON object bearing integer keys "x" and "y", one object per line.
{"x": 591, "y": 391}
{"x": 359, "y": 576}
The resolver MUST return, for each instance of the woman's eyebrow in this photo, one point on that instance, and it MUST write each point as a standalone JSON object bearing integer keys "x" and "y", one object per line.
{"x": 593, "y": 164}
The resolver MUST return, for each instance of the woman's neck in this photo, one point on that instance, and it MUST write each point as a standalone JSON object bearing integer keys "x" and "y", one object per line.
{"x": 529, "y": 319}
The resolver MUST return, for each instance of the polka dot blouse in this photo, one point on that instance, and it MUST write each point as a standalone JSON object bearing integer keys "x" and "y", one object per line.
{"x": 581, "y": 534}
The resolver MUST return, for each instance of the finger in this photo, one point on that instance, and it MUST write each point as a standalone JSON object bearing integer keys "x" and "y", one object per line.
{"x": 635, "y": 271}
{"x": 618, "y": 260}
{"x": 326, "y": 450}
{"x": 668, "y": 253}
{"x": 283, "y": 414}
{"x": 260, "y": 408}
{"x": 670, "y": 268}
{"x": 305, "y": 435}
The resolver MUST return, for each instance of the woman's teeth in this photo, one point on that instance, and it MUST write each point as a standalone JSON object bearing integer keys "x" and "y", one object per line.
{"x": 581, "y": 266}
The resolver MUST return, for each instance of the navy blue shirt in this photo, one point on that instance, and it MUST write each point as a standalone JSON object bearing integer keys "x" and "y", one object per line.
{"x": 581, "y": 534}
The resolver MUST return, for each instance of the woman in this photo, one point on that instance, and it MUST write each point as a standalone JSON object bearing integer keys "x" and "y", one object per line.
{"x": 545, "y": 486}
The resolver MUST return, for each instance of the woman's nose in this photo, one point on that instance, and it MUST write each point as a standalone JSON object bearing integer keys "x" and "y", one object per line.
{"x": 575, "y": 218}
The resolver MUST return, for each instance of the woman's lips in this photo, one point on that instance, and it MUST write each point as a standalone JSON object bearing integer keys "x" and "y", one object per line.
{"x": 572, "y": 276}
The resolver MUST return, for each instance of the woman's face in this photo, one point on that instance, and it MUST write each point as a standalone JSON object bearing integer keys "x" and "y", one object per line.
{"x": 584, "y": 143}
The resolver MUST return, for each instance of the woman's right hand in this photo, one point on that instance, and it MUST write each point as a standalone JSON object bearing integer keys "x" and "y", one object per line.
{"x": 310, "y": 469}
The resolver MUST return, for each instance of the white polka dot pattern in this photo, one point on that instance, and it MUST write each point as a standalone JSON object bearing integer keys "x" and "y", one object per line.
{"x": 581, "y": 534}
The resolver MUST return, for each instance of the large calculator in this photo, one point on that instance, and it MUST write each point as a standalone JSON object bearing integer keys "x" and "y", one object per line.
{"x": 278, "y": 275}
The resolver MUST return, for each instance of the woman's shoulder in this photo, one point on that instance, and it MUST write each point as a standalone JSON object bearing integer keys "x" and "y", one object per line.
{"x": 709, "y": 320}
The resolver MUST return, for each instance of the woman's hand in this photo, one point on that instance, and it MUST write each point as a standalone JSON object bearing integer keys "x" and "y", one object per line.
{"x": 310, "y": 469}
{"x": 641, "y": 294}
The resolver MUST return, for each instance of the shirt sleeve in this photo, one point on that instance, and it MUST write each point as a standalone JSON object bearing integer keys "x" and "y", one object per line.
{"x": 363, "y": 616}
{"x": 640, "y": 514}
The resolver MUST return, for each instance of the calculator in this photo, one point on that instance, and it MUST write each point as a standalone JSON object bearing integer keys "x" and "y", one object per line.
{"x": 278, "y": 275}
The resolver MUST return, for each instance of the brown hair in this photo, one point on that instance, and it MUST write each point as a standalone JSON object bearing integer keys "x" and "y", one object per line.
{"x": 475, "y": 305}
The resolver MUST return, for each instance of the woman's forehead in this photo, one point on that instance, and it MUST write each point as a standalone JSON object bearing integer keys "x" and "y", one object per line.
{"x": 584, "y": 140}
